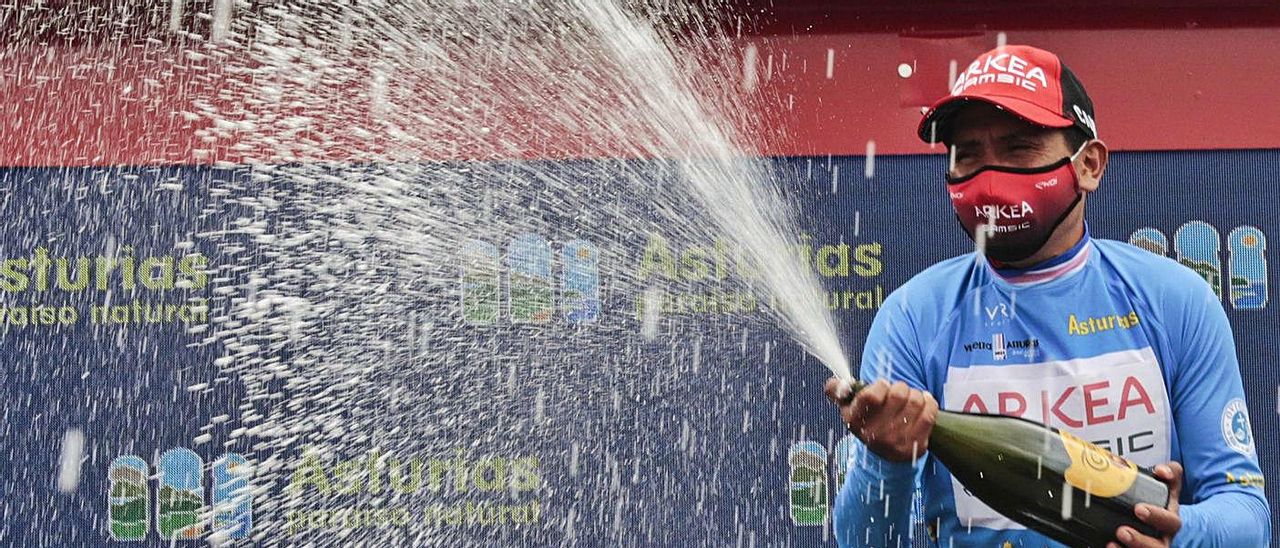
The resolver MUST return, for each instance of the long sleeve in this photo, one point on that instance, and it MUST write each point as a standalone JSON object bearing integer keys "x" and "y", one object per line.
{"x": 873, "y": 507}
{"x": 1223, "y": 504}
{"x": 1225, "y": 519}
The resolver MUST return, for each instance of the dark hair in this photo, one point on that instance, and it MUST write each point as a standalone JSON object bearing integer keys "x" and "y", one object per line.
{"x": 1075, "y": 137}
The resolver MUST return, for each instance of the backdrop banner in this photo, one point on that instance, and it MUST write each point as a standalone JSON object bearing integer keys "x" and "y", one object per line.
{"x": 268, "y": 357}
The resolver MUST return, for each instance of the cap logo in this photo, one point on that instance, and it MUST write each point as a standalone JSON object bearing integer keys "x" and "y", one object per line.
{"x": 1086, "y": 119}
{"x": 1002, "y": 68}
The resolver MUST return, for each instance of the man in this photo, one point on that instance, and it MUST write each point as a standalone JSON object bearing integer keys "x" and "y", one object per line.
{"x": 1117, "y": 345}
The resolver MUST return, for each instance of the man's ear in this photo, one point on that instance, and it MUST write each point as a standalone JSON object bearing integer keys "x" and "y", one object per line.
{"x": 1091, "y": 164}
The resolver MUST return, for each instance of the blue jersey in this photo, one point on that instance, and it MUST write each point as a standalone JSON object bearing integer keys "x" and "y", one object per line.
{"x": 1121, "y": 347}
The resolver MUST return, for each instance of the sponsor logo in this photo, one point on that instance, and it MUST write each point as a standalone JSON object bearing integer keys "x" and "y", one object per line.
{"x": 1003, "y": 211}
{"x": 845, "y": 449}
{"x": 1070, "y": 406}
{"x": 1126, "y": 444}
{"x": 1235, "y": 427}
{"x": 997, "y": 315}
{"x": 530, "y": 295}
{"x": 707, "y": 279}
{"x": 1115, "y": 401}
{"x": 1246, "y": 249}
{"x": 1085, "y": 118}
{"x": 1197, "y": 246}
{"x": 1047, "y": 184}
{"x": 1089, "y": 325}
{"x": 1001, "y": 347}
{"x": 808, "y": 500}
{"x": 44, "y": 271}
{"x": 232, "y": 503}
{"x": 377, "y": 473}
{"x": 180, "y": 510}
{"x": 722, "y": 260}
{"x": 1001, "y": 229}
{"x": 1247, "y": 480}
{"x": 129, "y": 500}
{"x": 1002, "y": 68}
{"x": 580, "y": 282}
{"x": 34, "y": 289}
{"x": 1094, "y": 470}
{"x": 481, "y": 282}
{"x": 506, "y": 488}
{"x": 180, "y": 498}
{"x": 808, "y": 483}
{"x": 1151, "y": 240}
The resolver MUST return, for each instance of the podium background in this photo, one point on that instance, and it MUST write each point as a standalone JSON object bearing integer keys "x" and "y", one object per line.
{"x": 697, "y": 453}
{"x": 679, "y": 441}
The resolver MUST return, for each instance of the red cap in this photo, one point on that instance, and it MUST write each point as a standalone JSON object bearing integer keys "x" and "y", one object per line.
{"x": 1027, "y": 81}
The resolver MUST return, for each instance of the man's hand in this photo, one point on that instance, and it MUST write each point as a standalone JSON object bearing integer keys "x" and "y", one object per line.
{"x": 893, "y": 421}
{"x": 1164, "y": 520}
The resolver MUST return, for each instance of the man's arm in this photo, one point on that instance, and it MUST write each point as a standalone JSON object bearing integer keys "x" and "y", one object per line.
{"x": 874, "y": 506}
{"x": 1224, "y": 504}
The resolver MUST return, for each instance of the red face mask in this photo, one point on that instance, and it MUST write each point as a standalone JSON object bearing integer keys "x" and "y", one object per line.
{"x": 1019, "y": 208}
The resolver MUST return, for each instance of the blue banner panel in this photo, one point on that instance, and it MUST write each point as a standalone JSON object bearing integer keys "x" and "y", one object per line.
{"x": 529, "y": 353}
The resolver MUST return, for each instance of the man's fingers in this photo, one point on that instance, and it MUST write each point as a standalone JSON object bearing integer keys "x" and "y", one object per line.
{"x": 834, "y": 392}
{"x": 915, "y": 405}
{"x": 1133, "y": 539}
{"x": 892, "y": 419}
{"x": 851, "y": 418}
{"x": 924, "y": 421}
{"x": 870, "y": 401}
{"x": 1163, "y": 520}
{"x": 896, "y": 400}
{"x": 1171, "y": 473}
{"x": 873, "y": 395}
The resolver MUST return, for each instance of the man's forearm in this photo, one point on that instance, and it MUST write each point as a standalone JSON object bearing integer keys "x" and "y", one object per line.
{"x": 873, "y": 507}
{"x": 1230, "y": 519}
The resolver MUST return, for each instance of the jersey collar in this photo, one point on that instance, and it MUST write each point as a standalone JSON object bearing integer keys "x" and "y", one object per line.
{"x": 1049, "y": 269}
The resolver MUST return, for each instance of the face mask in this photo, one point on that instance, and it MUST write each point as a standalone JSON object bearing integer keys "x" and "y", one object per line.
{"x": 1023, "y": 205}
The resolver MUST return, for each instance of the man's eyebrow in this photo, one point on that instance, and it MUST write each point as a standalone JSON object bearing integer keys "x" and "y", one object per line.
{"x": 1029, "y": 134}
{"x": 1022, "y": 135}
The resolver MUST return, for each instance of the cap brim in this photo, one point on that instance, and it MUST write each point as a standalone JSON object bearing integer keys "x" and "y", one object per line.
{"x": 942, "y": 111}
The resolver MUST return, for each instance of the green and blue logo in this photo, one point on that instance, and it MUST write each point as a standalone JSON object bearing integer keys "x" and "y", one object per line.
{"x": 530, "y": 292}
{"x": 808, "y": 462}
{"x": 1197, "y": 244}
{"x": 179, "y": 496}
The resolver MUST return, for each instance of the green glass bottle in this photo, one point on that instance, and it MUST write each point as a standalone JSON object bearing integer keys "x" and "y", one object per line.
{"x": 1048, "y": 480}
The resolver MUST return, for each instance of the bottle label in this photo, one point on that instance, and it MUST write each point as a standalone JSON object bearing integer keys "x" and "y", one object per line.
{"x": 1096, "y": 470}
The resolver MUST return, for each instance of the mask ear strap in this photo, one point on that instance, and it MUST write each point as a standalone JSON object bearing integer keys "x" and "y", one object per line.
{"x": 1076, "y": 175}
{"x": 1081, "y": 149}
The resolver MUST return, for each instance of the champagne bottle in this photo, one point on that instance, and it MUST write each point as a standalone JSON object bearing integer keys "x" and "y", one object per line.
{"x": 1048, "y": 480}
